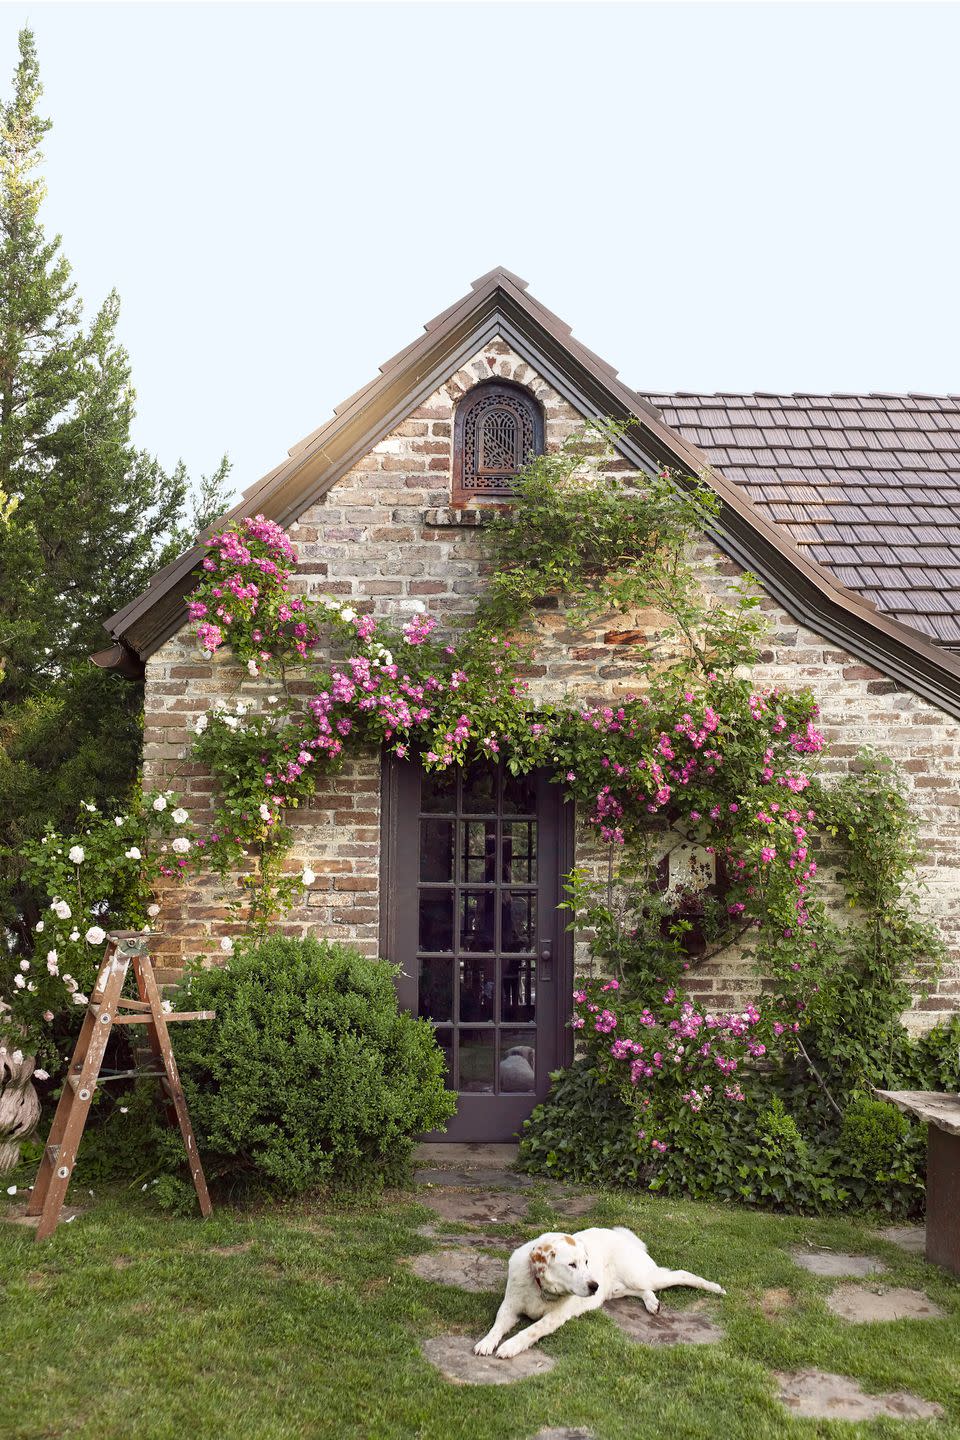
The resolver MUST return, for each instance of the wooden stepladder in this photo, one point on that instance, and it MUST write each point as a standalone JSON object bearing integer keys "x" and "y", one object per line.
{"x": 124, "y": 947}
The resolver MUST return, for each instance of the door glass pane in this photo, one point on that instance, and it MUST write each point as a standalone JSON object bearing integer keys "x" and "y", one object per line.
{"x": 518, "y": 988}
{"x": 519, "y": 794}
{"x": 436, "y": 920}
{"x": 518, "y": 1061}
{"x": 479, "y": 863}
{"x": 480, "y": 789}
{"x": 477, "y": 982}
{"x": 476, "y": 920}
{"x": 438, "y": 791}
{"x": 436, "y": 988}
{"x": 436, "y": 849}
{"x": 519, "y": 920}
{"x": 519, "y": 852}
{"x": 444, "y": 1039}
{"x": 477, "y": 1060}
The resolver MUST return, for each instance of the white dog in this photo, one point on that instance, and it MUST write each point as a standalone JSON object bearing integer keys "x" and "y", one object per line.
{"x": 557, "y": 1277}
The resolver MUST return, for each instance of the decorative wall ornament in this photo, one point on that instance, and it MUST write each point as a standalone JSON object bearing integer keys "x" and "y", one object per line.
{"x": 498, "y": 426}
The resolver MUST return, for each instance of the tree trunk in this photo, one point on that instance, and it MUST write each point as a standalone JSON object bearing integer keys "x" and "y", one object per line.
{"x": 19, "y": 1105}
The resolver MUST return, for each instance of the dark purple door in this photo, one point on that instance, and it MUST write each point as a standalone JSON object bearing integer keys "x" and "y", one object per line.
{"x": 473, "y": 880}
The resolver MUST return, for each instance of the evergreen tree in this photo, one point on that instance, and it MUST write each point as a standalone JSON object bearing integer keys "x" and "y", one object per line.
{"x": 85, "y": 517}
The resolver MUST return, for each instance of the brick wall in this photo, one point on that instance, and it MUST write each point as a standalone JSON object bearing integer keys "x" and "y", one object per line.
{"x": 386, "y": 536}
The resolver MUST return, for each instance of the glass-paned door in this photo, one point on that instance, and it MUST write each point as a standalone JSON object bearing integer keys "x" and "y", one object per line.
{"x": 473, "y": 881}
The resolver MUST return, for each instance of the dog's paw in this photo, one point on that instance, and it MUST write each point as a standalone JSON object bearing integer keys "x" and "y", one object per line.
{"x": 720, "y": 1290}
{"x": 653, "y": 1305}
{"x": 486, "y": 1346}
{"x": 510, "y": 1348}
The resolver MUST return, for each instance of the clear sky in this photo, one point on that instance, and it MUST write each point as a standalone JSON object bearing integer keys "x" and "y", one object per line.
{"x": 715, "y": 197}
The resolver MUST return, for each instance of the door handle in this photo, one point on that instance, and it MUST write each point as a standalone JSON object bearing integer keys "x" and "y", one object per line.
{"x": 546, "y": 960}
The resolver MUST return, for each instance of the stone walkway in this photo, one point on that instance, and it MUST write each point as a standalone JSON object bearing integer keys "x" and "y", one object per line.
{"x": 470, "y": 1187}
{"x": 476, "y": 1191}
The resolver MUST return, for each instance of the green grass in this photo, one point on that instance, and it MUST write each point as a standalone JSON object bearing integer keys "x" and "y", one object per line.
{"x": 302, "y": 1321}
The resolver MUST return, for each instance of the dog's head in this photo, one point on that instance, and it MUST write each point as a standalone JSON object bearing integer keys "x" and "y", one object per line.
{"x": 560, "y": 1266}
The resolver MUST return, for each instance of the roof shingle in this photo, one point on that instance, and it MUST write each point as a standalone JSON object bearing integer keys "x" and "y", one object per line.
{"x": 864, "y": 484}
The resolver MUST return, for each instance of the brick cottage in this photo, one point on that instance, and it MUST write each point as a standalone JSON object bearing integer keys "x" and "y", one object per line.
{"x": 844, "y": 507}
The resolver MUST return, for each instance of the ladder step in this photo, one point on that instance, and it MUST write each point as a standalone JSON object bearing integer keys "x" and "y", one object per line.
{"x": 170, "y": 1017}
{"x": 74, "y": 1080}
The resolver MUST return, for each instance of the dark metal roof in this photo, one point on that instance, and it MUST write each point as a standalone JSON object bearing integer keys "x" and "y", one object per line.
{"x": 499, "y": 305}
{"x": 868, "y": 485}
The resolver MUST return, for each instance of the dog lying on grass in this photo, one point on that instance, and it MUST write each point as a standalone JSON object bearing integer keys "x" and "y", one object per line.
{"x": 557, "y": 1277}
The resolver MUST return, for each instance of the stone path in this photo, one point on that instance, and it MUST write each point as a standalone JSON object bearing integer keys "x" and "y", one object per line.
{"x": 454, "y": 1358}
{"x": 668, "y": 1327}
{"x": 818, "y": 1395}
{"x": 832, "y": 1262}
{"x": 912, "y": 1238}
{"x": 864, "y": 1306}
{"x": 477, "y": 1193}
{"x": 463, "y": 1268}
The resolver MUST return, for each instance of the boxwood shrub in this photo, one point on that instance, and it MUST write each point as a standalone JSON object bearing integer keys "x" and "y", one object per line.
{"x": 310, "y": 1075}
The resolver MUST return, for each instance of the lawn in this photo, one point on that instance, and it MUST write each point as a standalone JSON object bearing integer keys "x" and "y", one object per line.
{"x": 303, "y": 1321}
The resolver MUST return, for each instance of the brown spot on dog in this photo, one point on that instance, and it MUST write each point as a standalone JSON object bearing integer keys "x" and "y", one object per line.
{"x": 569, "y": 1239}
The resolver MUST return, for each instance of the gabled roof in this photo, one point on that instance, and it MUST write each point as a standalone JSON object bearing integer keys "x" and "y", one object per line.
{"x": 499, "y": 304}
{"x": 868, "y": 485}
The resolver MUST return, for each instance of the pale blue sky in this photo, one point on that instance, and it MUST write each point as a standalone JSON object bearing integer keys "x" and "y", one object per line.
{"x": 716, "y": 197}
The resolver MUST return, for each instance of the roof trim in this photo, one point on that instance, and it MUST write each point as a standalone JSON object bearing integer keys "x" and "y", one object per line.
{"x": 499, "y": 305}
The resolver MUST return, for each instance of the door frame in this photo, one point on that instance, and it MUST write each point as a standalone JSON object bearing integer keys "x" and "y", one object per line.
{"x": 392, "y": 909}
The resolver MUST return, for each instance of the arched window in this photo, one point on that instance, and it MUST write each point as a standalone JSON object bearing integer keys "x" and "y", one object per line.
{"x": 498, "y": 427}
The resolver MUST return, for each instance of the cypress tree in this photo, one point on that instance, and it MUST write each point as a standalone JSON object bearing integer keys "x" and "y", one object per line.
{"x": 85, "y": 516}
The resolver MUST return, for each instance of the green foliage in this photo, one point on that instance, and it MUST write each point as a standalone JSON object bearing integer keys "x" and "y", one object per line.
{"x": 601, "y": 541}
{"x": 309, "y": 1075}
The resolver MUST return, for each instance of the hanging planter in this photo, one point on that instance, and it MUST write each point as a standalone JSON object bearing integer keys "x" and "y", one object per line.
{"x": 19, "y": 1105}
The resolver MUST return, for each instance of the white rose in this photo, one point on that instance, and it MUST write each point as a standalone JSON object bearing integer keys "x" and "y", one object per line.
{"x": 181, "y": 845}
{"x": 180, "y": 816}
{"x": 41, "y": 1075}
{"x": 74, "y": 934}
{"x": 11, "y": 1189}
{"x": 19, "y": 981}
{"x": 226, "y": 945}
{"x": 231, "y": 722}
{"x": 118, "y": 820}
{"x": 39, "y": 927}
{"x": 153, "y": 911}
{"x": 159, "y": 803}
{"x": 308, "y": 876}
{"x": 348, "y": 614}
{"x": 52, "y": 965}
{"x": 77, "y": 854}
{"x": 264, "y": 812}
{"x": 79, "y": 999}
{"x": 133, "y": 853}
{"x": 252, "y": 668}
{"x": 24, "y": 965}
{"x": 201, "y": 725}
{"x": 241, "y": 707}
{"x": 61, "y": 909}
{"x": 95, "y": 936}
{"x": 418, "y": 607}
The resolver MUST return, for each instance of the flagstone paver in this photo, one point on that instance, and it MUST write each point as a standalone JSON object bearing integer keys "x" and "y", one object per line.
{"x": 474, "y": 1178}
{"x": 463, "y": 1268}
{"x": 833, "y": 1262}
{"x": 912, "y": 1238}
{"x": 476, "y": 1207}
{"x": 564, "y": 1432}
{"x": 454, "y": 1358}
{"x": 689, "y": 1326}
{"x": 818, "y": 1395}
{"x": 507, "y": 1243}
{"x": 863, "y": 1305}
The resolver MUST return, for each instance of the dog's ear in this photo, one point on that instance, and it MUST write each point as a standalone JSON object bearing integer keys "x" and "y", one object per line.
{"x": 540, "y": 1258}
